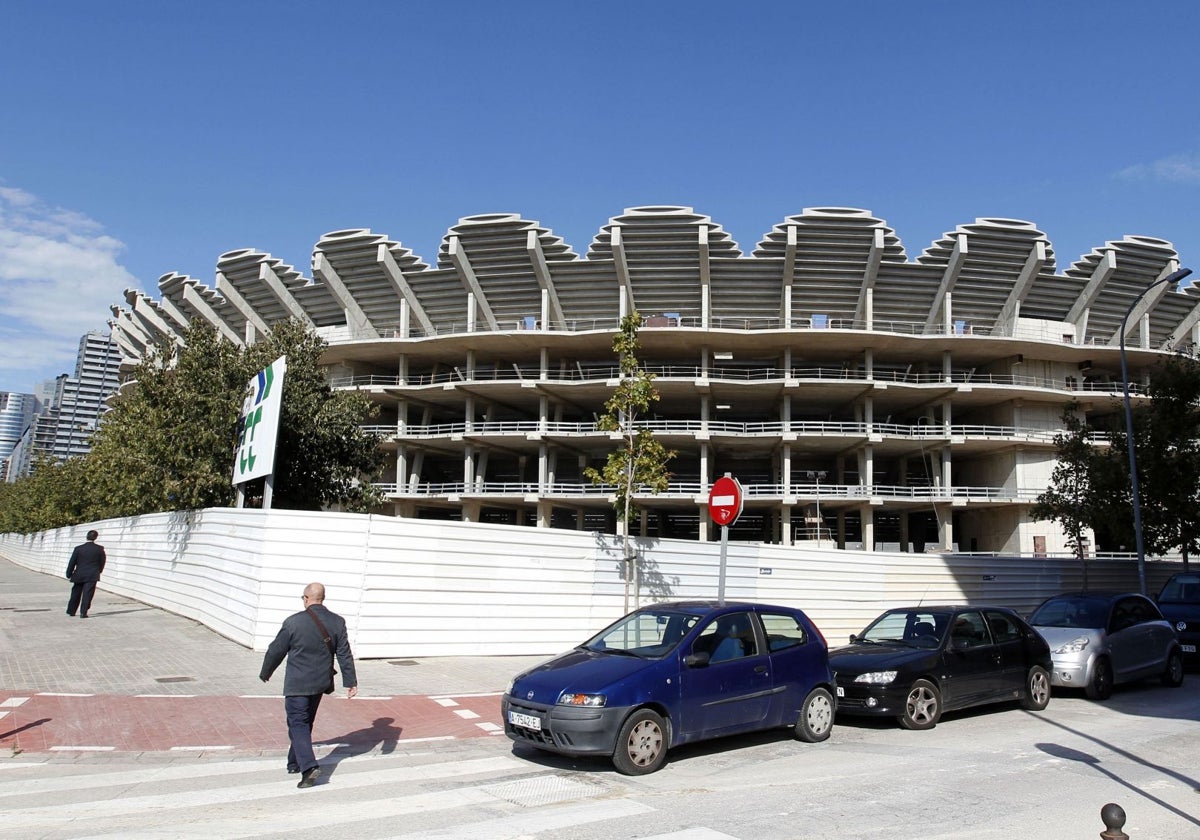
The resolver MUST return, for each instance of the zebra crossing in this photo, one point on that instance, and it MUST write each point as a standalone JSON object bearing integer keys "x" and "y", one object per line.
{"x": 434, "y": 795}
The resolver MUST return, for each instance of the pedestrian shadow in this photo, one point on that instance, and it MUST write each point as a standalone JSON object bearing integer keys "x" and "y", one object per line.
{"x": 381, "y": 733}
{"x": 10, "y": 733}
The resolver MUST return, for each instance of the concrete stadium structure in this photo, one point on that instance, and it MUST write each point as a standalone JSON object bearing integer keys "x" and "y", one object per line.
{"x": 862, "y": 399}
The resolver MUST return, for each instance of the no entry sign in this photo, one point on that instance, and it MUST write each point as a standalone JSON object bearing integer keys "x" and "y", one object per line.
{"x": 725, "y": 500}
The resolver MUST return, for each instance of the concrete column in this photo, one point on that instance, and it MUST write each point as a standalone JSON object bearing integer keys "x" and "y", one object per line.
{"x": 867, "y": 514}
{"x": 785, "y": 520}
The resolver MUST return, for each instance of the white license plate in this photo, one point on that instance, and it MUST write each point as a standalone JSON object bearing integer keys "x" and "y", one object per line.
{"x": 525, "y": 721}
{"x": 841, "y": 691}
{"x": 1188, "y": 648}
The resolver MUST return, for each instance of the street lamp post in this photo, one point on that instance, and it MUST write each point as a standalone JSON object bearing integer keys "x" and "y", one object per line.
{"x": 818, "y": 475}
{"x": 1172, "y": 278}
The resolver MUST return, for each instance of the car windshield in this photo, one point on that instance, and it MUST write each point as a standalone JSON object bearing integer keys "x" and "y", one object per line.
{"x": 648, "y": 633}
{"x": 1084, "y": 612}
{"x": 916, "y": 627}
{"x": 1181, "y": 589}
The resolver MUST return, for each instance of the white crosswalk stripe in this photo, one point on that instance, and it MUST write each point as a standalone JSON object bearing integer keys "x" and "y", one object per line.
{"x": 434, "y": 795}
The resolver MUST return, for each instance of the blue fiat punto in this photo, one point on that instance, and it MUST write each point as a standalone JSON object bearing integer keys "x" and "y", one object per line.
{"x": 673, "y": 673}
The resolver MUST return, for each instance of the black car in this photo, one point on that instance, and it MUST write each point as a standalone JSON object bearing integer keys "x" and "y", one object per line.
{"x": 915, "y": 663}
{"x": 1179, "y": 602}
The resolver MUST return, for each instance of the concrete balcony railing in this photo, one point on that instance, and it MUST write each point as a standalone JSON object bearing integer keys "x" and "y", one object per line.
{"x": 808, "y": 428}
{"x": 786, "y": 376}
{"x": 697, "y": 492}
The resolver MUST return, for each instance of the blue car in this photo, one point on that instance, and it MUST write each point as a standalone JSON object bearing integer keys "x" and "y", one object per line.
{"x": 674, "y": 673}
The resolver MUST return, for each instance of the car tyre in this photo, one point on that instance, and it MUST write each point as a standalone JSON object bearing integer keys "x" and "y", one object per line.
{"x": 641, "y": 744}
{"x": 1037, "y": 689}
{"x": 922, "y": 706}
{"x": 1100, "y": 687}
{"x": 1173, "y": 676}
{"x": 816, "y": 716}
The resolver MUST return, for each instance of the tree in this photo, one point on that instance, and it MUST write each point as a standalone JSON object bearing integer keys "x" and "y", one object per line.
{"x": 1167, "y": 442}
{"x": 168, "y": 442}
{"x": 1093, "y": 485}
{"x": 640, "y": 464}
{"x": 1070, "y": 500}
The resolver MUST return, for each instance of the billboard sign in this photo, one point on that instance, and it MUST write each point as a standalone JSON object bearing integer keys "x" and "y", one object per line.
{"x": 259, "y": 423}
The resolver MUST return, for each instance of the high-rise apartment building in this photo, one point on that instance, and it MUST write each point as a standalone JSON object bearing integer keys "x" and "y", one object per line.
{"x": 70, "y": 407}
{"x": 16, "y": 412}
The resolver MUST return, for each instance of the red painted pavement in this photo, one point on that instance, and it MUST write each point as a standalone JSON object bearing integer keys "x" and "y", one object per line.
{"x": 124, "y": 723}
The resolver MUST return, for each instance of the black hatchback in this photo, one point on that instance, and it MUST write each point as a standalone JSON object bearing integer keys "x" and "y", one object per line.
{"x": 914, "y": 663}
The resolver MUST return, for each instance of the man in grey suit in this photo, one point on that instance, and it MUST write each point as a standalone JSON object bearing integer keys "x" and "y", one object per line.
{"x": 310, "y": 639}
{"x": 83, "y": 570}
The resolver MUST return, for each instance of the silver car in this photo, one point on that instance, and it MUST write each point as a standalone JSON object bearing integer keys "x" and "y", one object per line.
{"x": 1098, "y": 640}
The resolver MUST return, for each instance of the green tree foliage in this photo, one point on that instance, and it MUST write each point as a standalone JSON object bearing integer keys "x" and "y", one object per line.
{"x": 169, "y": 442}
{"x": 640, "y": 464}
{"x": 1069, "y": 499}
{"x": 1092, "y": 486}
{"x": 1167, "y": 435}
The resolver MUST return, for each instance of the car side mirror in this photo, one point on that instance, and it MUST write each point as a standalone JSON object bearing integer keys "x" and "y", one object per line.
{"x": 853, "y": 638}
{"x": 696, "y": 660}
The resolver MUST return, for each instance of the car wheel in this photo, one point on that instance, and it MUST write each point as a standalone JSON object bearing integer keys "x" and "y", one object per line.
{"x": 1101, "y": 685}
{"x": 641, "y": 744}
{"x": 1037, "y": 689}
{"x": 922, "y": 707}
{"x": 1173, "y": 676}
{"x": 816, "y": 716}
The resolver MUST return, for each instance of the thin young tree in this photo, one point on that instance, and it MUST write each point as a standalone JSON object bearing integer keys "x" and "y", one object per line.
{"x": 1069, "y": 498}
{"x": 639, "y": 465}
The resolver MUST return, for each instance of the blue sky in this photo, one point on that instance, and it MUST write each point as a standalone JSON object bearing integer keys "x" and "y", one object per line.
{"x": 140, "y": 138}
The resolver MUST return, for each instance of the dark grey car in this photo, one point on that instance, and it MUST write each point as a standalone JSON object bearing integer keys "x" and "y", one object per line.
{"x": 1179, "y": 601}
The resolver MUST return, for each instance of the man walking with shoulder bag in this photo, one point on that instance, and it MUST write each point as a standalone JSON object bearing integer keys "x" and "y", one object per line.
{"x": 310, "y": 639}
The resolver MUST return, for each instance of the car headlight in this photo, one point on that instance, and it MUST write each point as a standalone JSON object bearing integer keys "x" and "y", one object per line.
{"x": 1074, "y": 646}
{"x": 876, "y": 677}
{"x": 581, "y": 700}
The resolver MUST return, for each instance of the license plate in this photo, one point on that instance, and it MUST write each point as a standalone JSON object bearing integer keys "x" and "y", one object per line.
{"x": 1188, "y": 648}
{"x": 525, "y": 721}
{"x": 841, "y": 692}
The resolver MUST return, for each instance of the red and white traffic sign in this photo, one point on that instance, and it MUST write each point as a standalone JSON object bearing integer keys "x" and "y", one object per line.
{"x": 725, "y": 500}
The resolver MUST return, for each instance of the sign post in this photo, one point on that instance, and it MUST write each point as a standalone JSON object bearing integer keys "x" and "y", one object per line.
{"x": 724, "y": 506}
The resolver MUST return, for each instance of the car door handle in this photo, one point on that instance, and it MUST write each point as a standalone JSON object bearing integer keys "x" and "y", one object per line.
{"x": 760, "y": 669}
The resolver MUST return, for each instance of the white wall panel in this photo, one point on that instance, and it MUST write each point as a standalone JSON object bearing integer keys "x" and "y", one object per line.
{"x": 409, "y": 587}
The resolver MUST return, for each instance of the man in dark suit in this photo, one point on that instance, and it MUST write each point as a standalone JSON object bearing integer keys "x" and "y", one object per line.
{"x": 309, "y": 639}
{"x": 83, "y": 570}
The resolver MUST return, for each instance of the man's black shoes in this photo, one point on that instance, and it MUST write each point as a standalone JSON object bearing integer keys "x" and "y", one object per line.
{"x": 309, "y": 777}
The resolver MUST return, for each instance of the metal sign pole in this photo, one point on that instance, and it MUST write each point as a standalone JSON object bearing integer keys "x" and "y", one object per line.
{"x": 721, "y": 573}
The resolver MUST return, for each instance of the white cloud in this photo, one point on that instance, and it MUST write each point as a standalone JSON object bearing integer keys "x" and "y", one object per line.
{"x": 1174, "y": 169}
{"x": 59, "y": 273}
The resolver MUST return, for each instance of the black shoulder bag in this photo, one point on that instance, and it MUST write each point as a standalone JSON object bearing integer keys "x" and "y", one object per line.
{"x": 329, "y": 644}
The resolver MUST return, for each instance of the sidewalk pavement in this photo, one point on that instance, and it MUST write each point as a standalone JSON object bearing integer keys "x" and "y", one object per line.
{"x": 128, "y": 648}
{"x": 135, "y": 678}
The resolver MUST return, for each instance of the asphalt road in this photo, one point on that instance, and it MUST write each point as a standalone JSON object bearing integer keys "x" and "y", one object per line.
{"x": 139, "y": 724}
